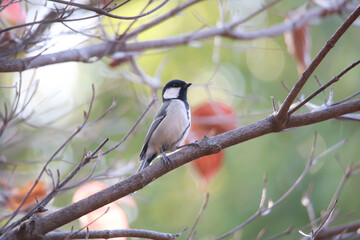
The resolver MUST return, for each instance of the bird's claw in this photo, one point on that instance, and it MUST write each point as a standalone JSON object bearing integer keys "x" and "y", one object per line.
{"x": 166, "y": 159}
{"x": 195, "y": 144}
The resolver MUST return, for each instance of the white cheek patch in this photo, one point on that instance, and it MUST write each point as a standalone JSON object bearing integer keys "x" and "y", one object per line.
{"x": 171, "y": 93}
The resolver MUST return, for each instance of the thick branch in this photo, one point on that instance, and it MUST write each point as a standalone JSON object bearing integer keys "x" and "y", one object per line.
{"x": 206, "y": 146}
{"x": 97, "y": 51}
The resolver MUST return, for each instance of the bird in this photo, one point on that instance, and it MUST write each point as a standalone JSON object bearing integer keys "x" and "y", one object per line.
{"x": 170, "y": 126}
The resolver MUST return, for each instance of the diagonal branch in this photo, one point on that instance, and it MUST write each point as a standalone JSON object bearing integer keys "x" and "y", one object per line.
{"x": 206, "y": 146}
{"x": 322, "y": 88}
{"x": 67, "y": 141}
{"x": 333, "y": 231}
{"x": 104, "y": 12}
{"x": 282, "y": 115}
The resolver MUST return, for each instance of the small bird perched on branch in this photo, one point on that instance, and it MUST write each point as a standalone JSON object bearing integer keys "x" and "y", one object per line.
{"x": 170, "y": 126}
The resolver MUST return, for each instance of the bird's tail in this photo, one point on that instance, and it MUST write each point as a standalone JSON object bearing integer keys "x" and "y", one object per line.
{"x": 144, "y": 164}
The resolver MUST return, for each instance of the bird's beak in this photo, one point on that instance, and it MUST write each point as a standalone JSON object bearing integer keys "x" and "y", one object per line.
{"x": 187, "y": 85}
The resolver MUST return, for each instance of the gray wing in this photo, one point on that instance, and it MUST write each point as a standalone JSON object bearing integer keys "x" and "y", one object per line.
{"x": 157, "y": 120}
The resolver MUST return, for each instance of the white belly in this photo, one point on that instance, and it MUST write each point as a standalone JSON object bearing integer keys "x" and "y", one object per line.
{"x": 170, "y": 132}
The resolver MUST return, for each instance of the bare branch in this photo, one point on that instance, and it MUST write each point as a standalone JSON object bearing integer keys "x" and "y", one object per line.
{"x": 348, "y": 98}
{"x": 306, "y": 202}
{"x": 250, "y": 16}
{"x": 322, "y": 88}
{"x": 282, "y": 120}
{"x": 192, "y": 231}
{"x": 205, "y": 147}
{"x": 162, "y": 18}
{"x": 135, "y": 233}
{"x": 132, "y": 128}
{"x": 325, "y": 221}
{"x": 348, "y": 172}
{"x": 283, "y": 114}
{"x": 286, "y": 232}
{"x": 102, "y": 11}
{"x": 333, "y": 231}
{"x": 78, "y": 129}
{"x": 108, "y": 48}
{"x": 263, "y": 211}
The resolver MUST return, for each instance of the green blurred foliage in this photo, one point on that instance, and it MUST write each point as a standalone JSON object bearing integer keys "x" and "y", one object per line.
{"x": 247, "y": 74}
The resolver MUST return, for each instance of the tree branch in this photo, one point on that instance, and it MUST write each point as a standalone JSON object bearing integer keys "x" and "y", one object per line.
{"x": 105, "y": 12}
{"x": 283, "y": 112}
{"x": 108, "y": 48}
{"x": 207, "y": 146}
{"x": 333, "y": 231}
{"x": 322, "y": 88}
{"x": 135, "y": 233}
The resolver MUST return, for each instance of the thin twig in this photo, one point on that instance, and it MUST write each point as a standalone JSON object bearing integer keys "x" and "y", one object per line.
{"x": 131, "y": 233}
{"x": 103, "y": 12}
{"x": 255, "y": 13}
{"x": 87, "y": 225}
{"x": 325, "y": 221}
{"x": 283, "y": 112}
{"x": 145, "y": 79}
{"x": 132, "y": 128}
{"x": 260, "y": 212}
{"x": 83, "y": 162}
{"x": 327, "y": 233}
{"x": 110, "y": 47}
{"x": 78, "y": 129}
{"x": 179, "y": 158}
{"x": 321, "y": 89}
{"x": 273, "y": 104}
{"x": 306, "y": 202}
{"x": 161, "y": 18}
{"x": 134, "y": 21}
{"x": 286, "y": 232}
{"x": 347, "y": 98}
{"x": 265, "y": 211}
{"x": 112, "y": 106}
{"x": 260, "y": 234}
{"x": 320, "y": 85}
{"x": 263, "y": 193}
{"x": 192, "y": 231}
{"x": 348, "y": 173}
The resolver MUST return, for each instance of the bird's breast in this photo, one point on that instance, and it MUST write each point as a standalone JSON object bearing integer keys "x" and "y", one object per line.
{"x": 173, "y": 129}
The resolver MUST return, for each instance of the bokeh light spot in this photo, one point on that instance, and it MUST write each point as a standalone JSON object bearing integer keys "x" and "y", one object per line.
{"x": 265, "y": 60}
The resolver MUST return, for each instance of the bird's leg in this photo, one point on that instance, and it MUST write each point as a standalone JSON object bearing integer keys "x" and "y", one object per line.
{"x": 165, "y": 157}
{"x": 195, "y": 143}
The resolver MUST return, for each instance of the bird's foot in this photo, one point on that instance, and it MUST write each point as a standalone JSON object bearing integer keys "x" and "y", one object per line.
{"x": 195, "y": 143}
{"x": 166, "y": 158}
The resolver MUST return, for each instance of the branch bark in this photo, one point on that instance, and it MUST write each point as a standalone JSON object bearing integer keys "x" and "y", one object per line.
{"x": 135, "y": 233}
{"x": 313, "y": 65}
{"x": 95, "y": 52}
{"x": 283, "y": 120}
{"x": 333, "y": 231}
{"x": 38, "y": 227}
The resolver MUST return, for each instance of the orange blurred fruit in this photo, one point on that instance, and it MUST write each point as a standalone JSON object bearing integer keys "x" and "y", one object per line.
{"x": 210, "y": 119}
{"x": 13, "y": 13}
{"x": 213, "y": 116}
{"x": 18, "y": 194}
{"x": 108, "y": 217}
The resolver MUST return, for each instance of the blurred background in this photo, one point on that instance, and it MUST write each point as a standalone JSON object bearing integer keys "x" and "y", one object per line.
{"x": 239, "y": 76}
